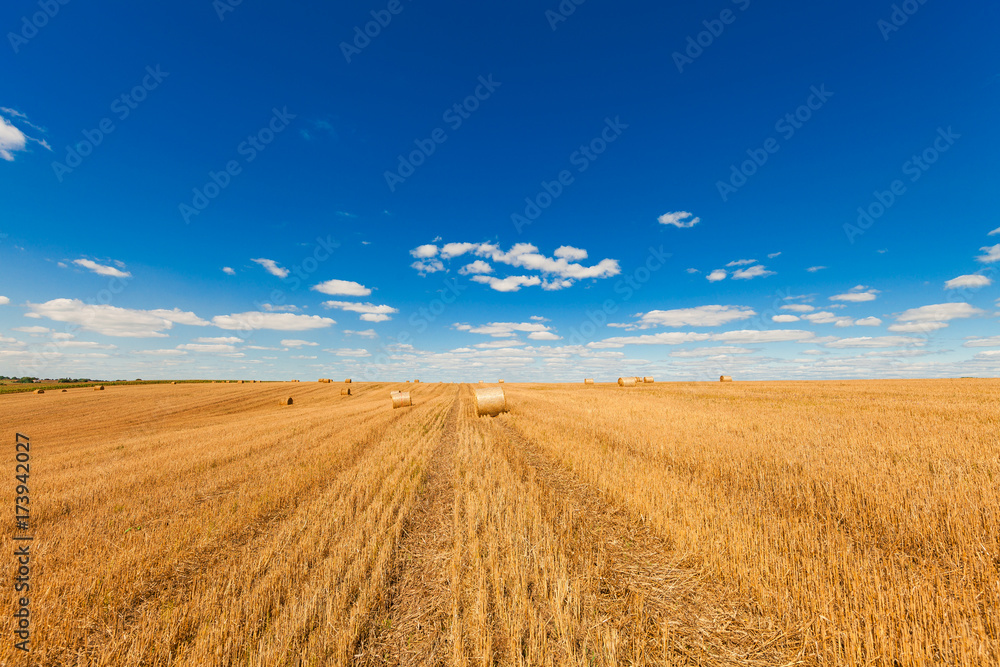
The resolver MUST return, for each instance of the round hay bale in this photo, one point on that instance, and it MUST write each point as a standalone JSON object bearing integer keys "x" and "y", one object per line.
{"x": 626, "y": 382}
{"x": 588, "y": 380}
{"x": 401, "y": 399}
{"x": 99, "y": 387}
{"x": 39, "y": 391}
{"x": 64, "y": 390}
{"x": 725, "y": 378}
{"x": 345, "y": 392}
{"x": 490, "y": 401}
{"x": 287, "y": 401}
{"x": 173, "y": 383}
{"x": 501, "y": 381}
{"x": 347, "y": 381}
{"x": 647, "y": 380}
{"x": 241, "y": 382}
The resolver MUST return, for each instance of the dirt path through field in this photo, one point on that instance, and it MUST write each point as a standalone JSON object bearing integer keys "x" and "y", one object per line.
{"x": 411, "y": 629}
{"x": 647, "y": 591}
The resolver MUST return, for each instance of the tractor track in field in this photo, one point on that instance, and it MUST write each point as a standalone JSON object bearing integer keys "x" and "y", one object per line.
{"x": 642, "y": 572}
{"x": 411, "y": 626}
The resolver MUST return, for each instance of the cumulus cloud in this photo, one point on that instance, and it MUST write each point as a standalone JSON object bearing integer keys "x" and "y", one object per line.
{"x": 505, "y": 329}
{"x": 557, "y": 272}
{"x": 994, "y": 232}
{"x": 114, "y": 321}
{"x": 695, "y": 352}
{"x": 857, "y": 294}
{"x": 4, "y": 300}
{"x": 736, "y": 337}
{"x": 33, "y": 330}
{"x": 478, "y": 266}
{"x": 230, "y": 340}
{"x": 273, "y": 321}
{"x": 773, "y": 255}
{"x": 162, "y": 353}
{"x": 698, "y": 316}
{"x": 279, "y": 309}
{"x": 508, "y": 284}
{"x": 939, "y": 312}
{"x": 349, "y": 352}
{"x": 826, "y": 317}
{"x": 876, "y": 341}
{"x": 543, "y": 335}
{"x": 369, "y": 311}
{"x": 992, "y": 254}
{"x": 716, "y": 276}
{"x": 12, "y": 138}
{"x": 271, "y": 267}
{"x": 693, "y": 271}
{"x": 367, "y": 333}
{"x": 228, "y": 270}
{"x": 798, "y": 308}
{"x": 295, "y": 343}
{"x": 741, "y": 262}
{"x": 342, "y": 288}
{"x": 785, "y": 318}
{"x": 679, "y": 219}
{"x": 917, "y": 327}
{"x": 973, "y": 280}
{"x": 814, "y": 269}
{"x": 991, "y": 341}
{"x": 101, "y": 269}
{"x": 425, "y": 251}
{"x": 867, "y": 322}
{"x": 757, "y": 271}
{"x": 200, "y": 347}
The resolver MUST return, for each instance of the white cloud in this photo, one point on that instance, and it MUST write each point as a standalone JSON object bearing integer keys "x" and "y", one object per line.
{"x": 699, "y": 316}
{"x": 741, "y": 262}
{"x": 814, "y": 269}
{"x": 917, "y": 327}
{"x": 539, "y": 318}
{"x": 367, "y": 333}
{"x": 857, "y": 294}
{"x": 101, "y": 269}
{"x": 279, "y": 309}
{"x": 13, "y": 139}
{"x": 199, "y": 347}
{"x": 695, "y": 352}
{"x": 425, "y": 251}
{"x": 939, "y": 312}
{"x": 798, "y": 308}
{"x": 988, "y": 355}
{"x": 973, "y": 280}
{"x": 785, "y": 318}
{"x": 369, "y": 311}
{"x": 32, "y": 330}
{"x": 992, "y": 341}
{"x": 737, "y": 337}
{"x": 342, "y": 288}
{"x": 559, "y": 271}
{"x": 716, "y": 276}
{"x": 114, "y": 321}
{"x": 868, "y": 322}
{"x": 992, "y": 254}
{"x": 498, "y": 344}
{"x": 274, "y": 321}
{"x": 293, "y": 342}
{"x": 504, "y": 329}
{"x": 994, "y": 232}
{"x": 826, "y": 317}
{"x": 543, "y": 335}
{"x": 272, "y": 267}
{"x": 758, "y": 271}
{"x": 570, "y": 253}
{"x": 162, "y": 353}
{"x": 231, "y": 340}
{"x": 877, "y": 341}
{"x": 508, "y": 284}
{"x": 4, "y": 300}
{"x": 678, "y": 219}
{"x": 478, "y": 266}
{"x": 229, "y": 270}
{"x": 348, "y": 352}
{"x": 773, "y": 255}
{"x": 693, "y": 271}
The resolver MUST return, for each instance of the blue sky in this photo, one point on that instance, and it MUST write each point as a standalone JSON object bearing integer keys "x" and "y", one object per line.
{"x": 534, "y": 191}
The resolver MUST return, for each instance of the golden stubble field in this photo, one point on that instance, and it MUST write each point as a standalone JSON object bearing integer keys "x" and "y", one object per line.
{"x": 773, "y": 523}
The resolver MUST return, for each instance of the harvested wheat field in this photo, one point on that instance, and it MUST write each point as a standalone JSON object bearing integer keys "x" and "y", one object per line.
{"x": 773, "y": 523}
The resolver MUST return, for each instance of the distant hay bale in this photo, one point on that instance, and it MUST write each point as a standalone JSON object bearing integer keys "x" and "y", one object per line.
{"x": 347, "y": 381}
{"x": 39, "y": 391}
{"x": 416, "y": 381}
{"x": 490, "y": 401}
{"x": 626, "y": 382}
{"x": 648, "y": 380}
{"x": 173, "y": 383}
{"x": 345, "y": 392}
{"x": 588, "y": 381}
{"x": 241, "y": 382}
{"x": 482, "y": 382}
{"x": 325, "y": 380}
{"x": 64, "y": 390}
{"x": 99, "y": 387}
{"x": 725, "y": 378}
{"x": 501, "y": 381}
{"x": 401, "y": 399}
{"x": 286, "y": 401}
